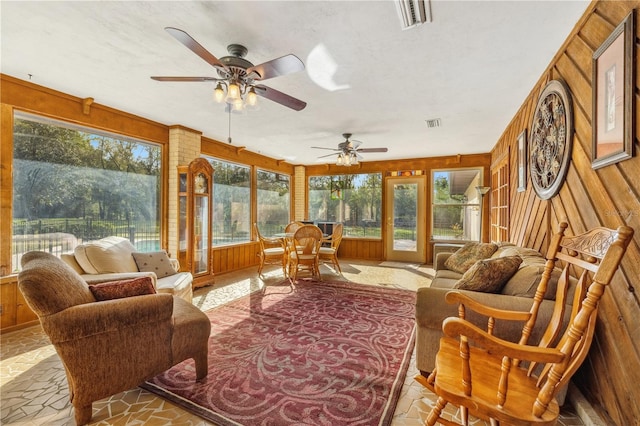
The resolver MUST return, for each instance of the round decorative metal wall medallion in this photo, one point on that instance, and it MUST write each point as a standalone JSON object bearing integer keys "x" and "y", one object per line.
{"x": 551, "y": 139}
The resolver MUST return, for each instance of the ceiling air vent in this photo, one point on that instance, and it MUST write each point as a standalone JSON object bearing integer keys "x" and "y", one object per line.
{"x": 413, "y": 12}
{"x": 433, "y": 123}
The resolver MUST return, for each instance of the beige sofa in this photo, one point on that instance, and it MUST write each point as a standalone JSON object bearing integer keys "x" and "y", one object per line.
{"x": 517, "y": 294}
{"x": 112, "y": 259}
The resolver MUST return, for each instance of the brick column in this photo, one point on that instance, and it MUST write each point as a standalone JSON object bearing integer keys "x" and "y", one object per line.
{"x": 299, "y": 196}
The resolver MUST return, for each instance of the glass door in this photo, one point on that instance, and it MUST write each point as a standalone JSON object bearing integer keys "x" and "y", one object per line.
{"x": 405, "y": 213}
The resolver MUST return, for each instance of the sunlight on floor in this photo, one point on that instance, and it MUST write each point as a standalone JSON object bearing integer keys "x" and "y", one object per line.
{"x": 34, "y": 389}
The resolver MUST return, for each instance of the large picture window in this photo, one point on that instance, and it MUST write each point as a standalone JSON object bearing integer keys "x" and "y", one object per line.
{"x": 73, "y": 184}
{"x": 274, "y": 202}
{"x": 355, "y": 200}
{"x": 456, "y": 205}
{"x": 231, "y": 202}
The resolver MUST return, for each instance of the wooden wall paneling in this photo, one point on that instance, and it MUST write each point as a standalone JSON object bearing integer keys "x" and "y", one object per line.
{"x": 581, "y": 54}
{"x": 6, "y": 187}
{"x": 24, "y": 314}
{"x": 596, "y": 30}
{"x": 609, "y": 197}
{"x": 536, "y": 239}
{"x": 8, "y": 307}
{"x": 353, "y": 248}
{"x": 43, "y": 101}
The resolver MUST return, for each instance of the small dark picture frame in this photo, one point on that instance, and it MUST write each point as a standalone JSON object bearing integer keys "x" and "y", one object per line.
{"x": 522, "y": 161}
{"x": 613, "y": 96}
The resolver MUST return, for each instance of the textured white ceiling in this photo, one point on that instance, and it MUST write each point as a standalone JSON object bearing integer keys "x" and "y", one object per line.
{"x": 472, "y": 67}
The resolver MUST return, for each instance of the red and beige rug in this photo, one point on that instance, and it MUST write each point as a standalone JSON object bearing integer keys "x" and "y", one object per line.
{"x": 316, "y": 353}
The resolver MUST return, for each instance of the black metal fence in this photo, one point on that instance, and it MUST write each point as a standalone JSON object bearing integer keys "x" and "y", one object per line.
{"x": 58, "y": 236}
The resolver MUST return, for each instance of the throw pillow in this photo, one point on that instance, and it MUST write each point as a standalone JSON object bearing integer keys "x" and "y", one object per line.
{"x": 490, "y": 275}
{"x": 467, "y": 255}
{"x": 120, "y": 289}
{"x": 157, "y": 262}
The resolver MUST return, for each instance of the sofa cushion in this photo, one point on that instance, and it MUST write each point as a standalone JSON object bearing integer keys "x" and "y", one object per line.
{"x": 111, "y": 254}
{"x": 525, "y": 282}
{"x": 157, "y": 262}
{"x": 467, "y": 255}
{"x": 524, "y": 253}
{"x": 120, "y": 289}
{"x": 489, "y": 275}
{"x": 70, "y": 260}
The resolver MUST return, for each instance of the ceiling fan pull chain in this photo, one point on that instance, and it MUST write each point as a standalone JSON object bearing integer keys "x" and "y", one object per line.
{"x": 229, "y": 138}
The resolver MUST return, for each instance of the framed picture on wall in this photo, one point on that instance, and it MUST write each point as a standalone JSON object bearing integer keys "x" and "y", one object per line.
{"x": 613, "y": 96}
{"x": 522, "y": 161}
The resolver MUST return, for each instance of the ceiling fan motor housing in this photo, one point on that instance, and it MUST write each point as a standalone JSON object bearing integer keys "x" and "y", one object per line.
{"x": 236, "y": 62}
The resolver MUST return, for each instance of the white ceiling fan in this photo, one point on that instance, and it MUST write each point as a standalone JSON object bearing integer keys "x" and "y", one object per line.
{"x": 348, "y": 152}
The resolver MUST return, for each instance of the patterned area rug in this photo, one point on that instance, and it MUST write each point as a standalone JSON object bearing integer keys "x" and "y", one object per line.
{"x": 316, "y": 353}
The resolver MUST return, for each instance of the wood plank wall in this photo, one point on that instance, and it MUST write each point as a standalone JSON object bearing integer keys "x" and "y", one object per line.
{"x": 605, "y": 197}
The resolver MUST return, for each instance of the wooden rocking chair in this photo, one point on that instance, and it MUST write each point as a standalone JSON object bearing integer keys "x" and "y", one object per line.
{"x": 515, "y": 383}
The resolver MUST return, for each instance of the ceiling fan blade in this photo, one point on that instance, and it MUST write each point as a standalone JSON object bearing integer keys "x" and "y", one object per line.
{"x": 195, "y": 47}
{"x": 279, "y": 97}
{"x": 322, "y": 147}
{"x": 185, "y": 78}
{"x": 276, "y": 67}
{"x": 372, "y": 150}
{"x": 355, "y": 144}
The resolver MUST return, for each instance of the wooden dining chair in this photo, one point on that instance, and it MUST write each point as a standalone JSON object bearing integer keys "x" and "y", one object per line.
{"x": 272, "y": 251}
{"x": 514, "y": 383}
{"x": 329, "y": 248}
{"x": 303, "y": 253}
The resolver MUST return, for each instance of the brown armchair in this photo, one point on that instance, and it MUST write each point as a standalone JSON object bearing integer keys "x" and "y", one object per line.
{"x": 113, "y": 345}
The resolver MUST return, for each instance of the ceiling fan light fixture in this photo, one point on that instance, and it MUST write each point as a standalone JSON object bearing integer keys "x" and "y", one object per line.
{"x": 238, "y": 105}
{"x": 218, "y": 93}
{"x": 233, "y": 93}
{"x": 354, "y": 159}
{"x": 339, "y": 161}
{"x": 252, "y": 97}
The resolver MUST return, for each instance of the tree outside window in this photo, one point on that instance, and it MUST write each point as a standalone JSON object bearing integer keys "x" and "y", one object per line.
{"x": 73, "y": 184}
{"x": 354, "y": 200}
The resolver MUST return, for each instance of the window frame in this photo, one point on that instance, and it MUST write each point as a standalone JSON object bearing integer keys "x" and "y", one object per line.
{"x": 265, "y": 231}
{"x": 211, "y": 159}
{"x": 348, "y": 229}
{"x": 475, "y": 206}
{"x": 59, "y": 244}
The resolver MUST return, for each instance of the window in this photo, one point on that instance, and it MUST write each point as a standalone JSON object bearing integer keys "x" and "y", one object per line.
{"x": 456, "y": 205}
{"x": 354, "y": 200}
{"x": 274, "y": 202}
{"x": 231, "y": 202}
{"x": 500, "y": 200}
{"x": 73, "y": 184}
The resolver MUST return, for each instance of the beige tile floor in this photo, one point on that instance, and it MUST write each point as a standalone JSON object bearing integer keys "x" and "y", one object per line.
{"x": 34, "y": 391}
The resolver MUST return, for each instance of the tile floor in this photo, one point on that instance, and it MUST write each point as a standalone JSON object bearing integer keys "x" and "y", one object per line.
{"x": 34, "y": 391}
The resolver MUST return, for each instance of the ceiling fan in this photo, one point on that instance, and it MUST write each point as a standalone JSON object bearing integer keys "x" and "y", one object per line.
{"x": 348, "y": 152}
{"x": 237, "y": 77}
